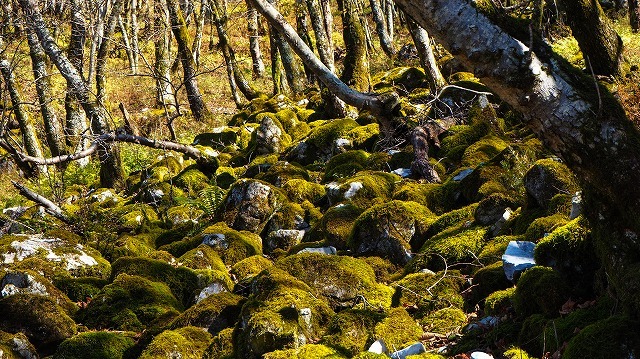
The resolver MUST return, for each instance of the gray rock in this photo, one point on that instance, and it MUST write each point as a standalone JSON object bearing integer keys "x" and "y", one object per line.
{"x": 213, "y": 288}
{"x": 492, "y": 209}
{"x": 249, "y": 205}
{"x": 20, "y": 282}
{"x": 517, "y": 258}
{"x": 547, "y": 178}
{"x": 322, "y": 250}
{"x": 268, "y": 137}
{"x": 576, "y": 205}
{"x": 215, "y": 240}
{"x": 283, "y": 239}
{"x": 413, "y": 349}
{"x": 463, "y": 174}
{"x": 402, "y": 172}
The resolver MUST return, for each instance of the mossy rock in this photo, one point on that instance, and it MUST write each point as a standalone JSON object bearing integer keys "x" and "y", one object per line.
{"x": 171, "y": 162}
{"x": 364, "y": 137}
{"x": 30, "y": 282}
{"x": 461, "y": 137}
{"x": 398, "y": 329}
{"x": 63, "y": 256}
{"x": 300, "y": 190}
{"x": 570, "y": 250}
{"x": 16, "y": 346}
{"x": 495, "y": 247}
{"x": 351, "y": 330}
{"x": 483, "y": 181}
{"x": 459, "y": 244}
{"x": 281, "y": 172}
{"x": 176, "y": 233}
{"x": 522, "y": 219}
{"x": 214, "y": 313}
{"x": 78, "y": 289}
{"x": 320, "y": 143}
{"x": 270, "y": 137}
{"x": 343, "y": 281}
{"x": 250, "y": 267}
{"x": 492, "y": 209}
{"x": 447, "y": 196}
{"x": 308, "y": 351}
{"x": 365, "y": 189}
{"x": 516, "y": 353}
{"x": 296, "y": 128}
{"x": 389, "y": 230}
{"x": 249, "y": 204}
{"x": 487, "y": 280}
{"x": 335, "y": 225}
{"x": 131, "y": 303}
{"x": 451, "y": 219}
{"x": 499, "y": 302}
{"x": 221, "y": 346}
{"x": 345, "y": 164}
{"x": 191, "y": 180}
{"x": 280, "y": 313}
{"x": 138, "y": 215}
{"x": 221, "y": 138}
{"x": 127, "y": 244}
{"x": 414, "y": 191}
{"x": 540, "y": 290}
{"x": 444, "y": 321}
{"x": 404, "y": 78}
{"x": 184, "y": 213}
{"x": 225, "y": 177}
{"x": 96, "y": 345}
{"x": 202, "y": 257}
{"x": 384, "y": 270}
{"x": 428, "y": 292}
{"x": 615, "y": 337}
{"x": 43, "y": 321}
{"x": 185, "y": 343}
{"x": 548, "y": 177}
{"x": 482, "y": 151}
{"x": 543, "y": 226}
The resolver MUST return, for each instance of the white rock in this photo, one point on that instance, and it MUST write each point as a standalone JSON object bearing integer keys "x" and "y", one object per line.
{"x": 322, "y": 250}
{"x": 518, "y": 257}
{"x": 354, "y": 187}
{"x": 213, "y": 288}
{"x": 35, "y": 244}
{"x": 481, "y": 355}
{"x": 402, "y": 172}
{"x": 413, "y": 349}
{"x": 378, "y": 347}
{"x": 463, "y": 174}
{"x": 576, "y": 205}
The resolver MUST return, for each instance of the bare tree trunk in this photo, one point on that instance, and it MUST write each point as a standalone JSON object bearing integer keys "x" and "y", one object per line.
{"x": 279, "y": 83}
{"x": 634, "y": 15}
{"x": 356, "y": 64}
{"x": 135, "y": 47}
{"x": 381, "y": 28}
{"x": 292, "y": 67}
{"x": 127, "y": 45}
{"x": 427, "y": 58}
{"x": 111, "y": 173}
{"x": 52, "y": 126}
{"x": 390, "y": 14}
{"x": 103, "y": 51}
{"x": 254, "y": 41}
{"x": 162, "y": 73}
{"x": 98, "y": 31}
{"x": 599, "y": 42}
{"x": 197, "y": 41}
{"x": 179, "y": 26}
{"x": 328, "y": 22}
{"x": 303, "y": 31}
{"x": 590, "y": 132}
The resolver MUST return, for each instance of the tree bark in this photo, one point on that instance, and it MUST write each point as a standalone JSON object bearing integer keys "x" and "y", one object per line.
{"x": 356, "y": 64}
{"x": 588, "y": 129}
{"x": 292, "y": 67}
{"x": 634, "y": 15}
{"x": 197, "y": 41}
{"x": 127, "y": 45}
{"x": 135, "y": 46}
{"x": 381, "y": 28}
{"x": 162, "y": 64}
{"x": 103, "y": 51}
{"x": 98, "y": 31}
{"x": 303, "y": 30}
{"x": 427, "y": 58}
{"x": 179, "y": 26}
{"x": 600, "y": 44}
{"x": 111, "y": 173}
{"x": 254, "y": 41}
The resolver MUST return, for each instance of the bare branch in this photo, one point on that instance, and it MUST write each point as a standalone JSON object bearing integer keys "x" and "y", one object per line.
{"x": 49, "y": 206}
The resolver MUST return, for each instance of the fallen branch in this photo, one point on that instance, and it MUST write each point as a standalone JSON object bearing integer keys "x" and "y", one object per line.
{"x": 116, "y": 137}
{"x": 50, "y": 207}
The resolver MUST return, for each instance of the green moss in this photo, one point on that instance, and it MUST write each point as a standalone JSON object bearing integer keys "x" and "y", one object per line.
{"x": 345, "y": 164}
{"x": 202, "y": 257}
{"x": 77, "y": 289}
{"x": 540, "y": 290}
{"x": 341, "y": 280}
{"x": 292, "y": 125}
{"x": 129, "y": 245}
{"x": 487, "y": 280}
{"x": 390, "y": 230}
{"x": 428, "y": 292}
{"x": 225, "y": 176}
{"x": 221, "y": 346}
{"x": 16, "y": 346}
{"x": 131, "y": 303}
{"x": 191, "y": 180}
{"x": 300, "y": 190}
{"x": 335, "y": 225}
{"x": 352, "y": 330}
{"x": 186, "y": 343}
{"x": 460, "y": 244}
{"x": 542, "y": 226}
{"x": 250, "y": 266}
{"x": 444, "y": 321}
{"x": 522, "y": 218}
{"x": 218, "y": 140}
{"x": 308, "y": 351}
{"x": 324, "y": 135}
{"x": 364, "y": 137}
{"x": 184, "y": 213}
{"x": 482, "y": 151}
{"x": 43, "y": 321}
{"x": 445, "y": 197}
{"x": 281, "y": 172}
{"x": 214, "y": 313}
{"x": 451, "y": 218}
{"x": 499, "y": 303}
{"x": 462, "y": 136}
{"x": 398, "y": 329}
{"x": 517, "y": 353}
{"x": 384, "y": 270}
{"x": 404, "y": 78}
{"x": 413, "y": 191}
{"x": 96, "y": 345}
{"x": 548, "y": 177}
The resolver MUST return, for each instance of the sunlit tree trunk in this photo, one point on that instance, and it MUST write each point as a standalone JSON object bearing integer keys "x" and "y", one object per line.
{"x": 103, "y": 51}
{"x": 254, "y": 41}
{"x": 135, "y": 46}
{"x": 97, "y": 25}
{"x": 127, "y": 44}
{"x": 427, "y": 58}
{"x": 303, "y": 29}
{"x": 356, "y": 63}
{"x": 381, "y": 28}
{"x": 292, "y": 68}
{"x": 389, "y": 11}
{"x": 162, "y": 73}
{"x": 197, "y": 41}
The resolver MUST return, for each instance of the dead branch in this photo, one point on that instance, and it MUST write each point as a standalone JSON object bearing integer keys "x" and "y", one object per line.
{"x": 51, "y": 208}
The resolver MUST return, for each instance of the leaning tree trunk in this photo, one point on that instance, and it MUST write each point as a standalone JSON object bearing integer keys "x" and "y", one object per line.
{"x": 127, "y": 44}
{"x": 103, "y": 51}
{"x": 179, "y": 26}
{"x": 600, "y": 44}
{"x": 634, "y": 15}
{"x": 427, "y": 58}
{"x": 381, "y": 28}
{"x": 52, "y": 126}
{"x": 589, "y": 131}
{"x": 161, "y": 43}
{"x": 356, "y": 64}
{"x": 111, "y": 172}
{"x": 254, "y": 41}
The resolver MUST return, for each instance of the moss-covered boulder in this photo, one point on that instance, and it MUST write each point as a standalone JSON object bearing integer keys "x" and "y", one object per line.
{"x": 352, "y": 330}
{"x": 308, "y": 351}
{"x": 78, "y": 289}
{"x": 487, "y": 280}
{"x": 342, "y": 281}
{"x": 29, "y": 282}
{"x": 482, "y": 151}
{"x": 202, "y": 257}
{"x": 250, "y": 204}
{"x": 96, "y": 345}
{"x": 58, "y": 250}
{"x": 185, "y": 343}
{"x": 281, "y": 313}
{"x": 428, "y": 292}
{"x": 322, "y": 142}
{"x": 345, "y": 164}
{"x": 300, "y": 190}
{"x": 499, "y": 302}
{"x": 218, "y": 138}
{"x": 615, "y": 337}
{"x": 281, "y": 172}
{"x": 540, "y": 290}
{"x": 459, "y": 244}
{"x": 215, "y": 313}
{"x": 43, "y": 321}
{"x": 388, "y": 230}
{"x": 334, "y": 227}
{"x": 131, "y": 303}
{"x": 365, "y": 189}
{"x": 398, "y": 329}
{"x": 184, "y": 213}
{"x": 250, "y": 266}
{"x": 444, "y": 321}
{"x": 546, "y": 178}
{"x": 16, "y": 346}
{"x": 543, "y": 226}
{"x": 270, "y": 137}
{"x": 221, "y": 346}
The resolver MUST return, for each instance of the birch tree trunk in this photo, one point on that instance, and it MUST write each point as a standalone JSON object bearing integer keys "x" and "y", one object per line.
{"x": 389, "y": 13}
{"x": 103, "y": 51}
{"x": 197, "y": 41}
{"x": 381, "y": 28}
{"x": 254, "y": 41}
{"x": 111, "y": 173}
{"x": 179, "y": 26}
{"x": 292, "y": 67}
{"x": 162, "y": 73}
{"x": 427, "y": 58}
{"x": 588, "y": 129}
{"x": 135, "y": 46}
{"x": 127, "y": 44}
{"x": 98, "y": 31}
